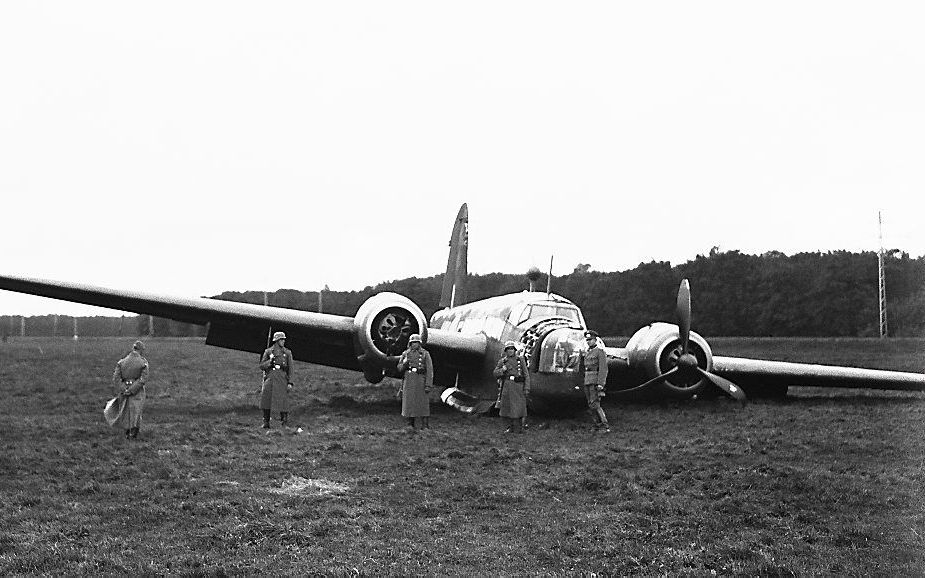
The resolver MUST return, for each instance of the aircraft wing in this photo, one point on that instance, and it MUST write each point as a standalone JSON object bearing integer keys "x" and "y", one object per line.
{"x": 757, "y": 372}
{"x": 617, "y": 359}
{"x": 313, "y": 337}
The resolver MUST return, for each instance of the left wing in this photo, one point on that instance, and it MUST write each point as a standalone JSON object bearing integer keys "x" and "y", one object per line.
{"x": 332, "y": 340}
{"x": 674, "y": 361}
{"x": 757, "y": 372}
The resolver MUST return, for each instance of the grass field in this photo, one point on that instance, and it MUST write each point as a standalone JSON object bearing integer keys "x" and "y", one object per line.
{"x": 817, "y": 484}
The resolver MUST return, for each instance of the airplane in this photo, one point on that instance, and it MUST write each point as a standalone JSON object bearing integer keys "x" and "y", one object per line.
{"x": 465, "y": 339}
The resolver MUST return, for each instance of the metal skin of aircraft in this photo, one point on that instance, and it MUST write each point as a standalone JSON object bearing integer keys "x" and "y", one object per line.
{"x": 465, "y": 339}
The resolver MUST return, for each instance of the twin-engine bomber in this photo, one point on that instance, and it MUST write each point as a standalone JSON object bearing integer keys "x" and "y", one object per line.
{"x": 661, "y": 360}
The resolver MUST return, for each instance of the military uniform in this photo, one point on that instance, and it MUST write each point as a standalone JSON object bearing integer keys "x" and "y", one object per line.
{"x": 417, "y": 380}
{"x": 276, "y": 363}
{"x": 594, "y": 366}
{"x": 514, "y": 388}
{"x": 129, "y": 379}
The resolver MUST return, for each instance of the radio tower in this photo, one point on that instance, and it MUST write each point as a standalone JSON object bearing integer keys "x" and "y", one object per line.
{"x": 882, "y": 277}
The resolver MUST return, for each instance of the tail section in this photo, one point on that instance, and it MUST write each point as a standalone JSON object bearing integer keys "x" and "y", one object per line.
{"x": 457, "y": 268}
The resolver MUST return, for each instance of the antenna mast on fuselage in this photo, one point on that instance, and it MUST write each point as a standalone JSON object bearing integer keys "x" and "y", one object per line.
{"x": 549, "y": 279}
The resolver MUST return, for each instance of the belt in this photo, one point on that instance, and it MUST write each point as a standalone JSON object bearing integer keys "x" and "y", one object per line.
{"x": 128, "y": 381}
{"x": 416, "y": 370}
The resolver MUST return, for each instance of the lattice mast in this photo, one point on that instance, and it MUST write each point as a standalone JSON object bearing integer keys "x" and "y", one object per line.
{"x": 884, "y": 331}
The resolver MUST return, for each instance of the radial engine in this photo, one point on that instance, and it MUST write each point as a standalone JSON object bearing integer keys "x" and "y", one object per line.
{"x": 657, "y": 348}
{"x": 383, "y": 325}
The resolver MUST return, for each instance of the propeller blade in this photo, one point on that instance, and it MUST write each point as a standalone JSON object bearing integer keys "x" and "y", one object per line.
{"x": 652, "y": 381}
{"x": 724, "y": 384}
{"x": 684, "y": 313}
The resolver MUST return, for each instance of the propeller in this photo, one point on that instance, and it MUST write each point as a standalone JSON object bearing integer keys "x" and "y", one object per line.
{"x": 724, "y": 384}
{"x": 684, "y": 313}
{"x": 686, "y": 364}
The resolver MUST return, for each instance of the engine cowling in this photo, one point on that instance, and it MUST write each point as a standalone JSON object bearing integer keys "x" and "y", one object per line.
{"x": 383, "y": 325}
{"x": 655, "y": 349}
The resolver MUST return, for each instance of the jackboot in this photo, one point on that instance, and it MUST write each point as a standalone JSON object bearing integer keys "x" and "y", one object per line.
{"x": 284, "y": 418}
{"x": 410, "y": 422}
{"x": 128, "y": 433}
{"x": 266, "y": 419}
{"x": 134, "y": 433}
{"x": 426, "y": 424}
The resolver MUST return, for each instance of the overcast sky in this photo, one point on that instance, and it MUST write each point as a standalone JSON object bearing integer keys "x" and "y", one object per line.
{"x": 194, "y": 147}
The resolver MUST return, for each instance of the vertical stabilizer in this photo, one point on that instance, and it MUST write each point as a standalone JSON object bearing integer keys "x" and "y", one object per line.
{"x": 457, "y": 268}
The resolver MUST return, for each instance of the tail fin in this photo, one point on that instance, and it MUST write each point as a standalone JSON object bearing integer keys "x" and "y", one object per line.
{"x": 457, "y": 268}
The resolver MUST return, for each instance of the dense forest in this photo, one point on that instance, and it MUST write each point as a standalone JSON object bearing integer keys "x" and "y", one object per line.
{"x": 733, "y": 294}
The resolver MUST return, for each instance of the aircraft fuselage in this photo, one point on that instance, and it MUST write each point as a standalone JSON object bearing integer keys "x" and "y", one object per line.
{"x": 548, "y": 328}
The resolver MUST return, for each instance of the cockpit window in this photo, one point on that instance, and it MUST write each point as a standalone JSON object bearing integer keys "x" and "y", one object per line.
{"x": 538, "y": 310}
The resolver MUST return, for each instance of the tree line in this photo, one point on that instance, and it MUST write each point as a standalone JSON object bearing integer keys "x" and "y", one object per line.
{"x": 810, "y": 294}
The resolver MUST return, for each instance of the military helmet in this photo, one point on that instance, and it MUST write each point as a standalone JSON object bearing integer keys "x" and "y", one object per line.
{"x": 415, "y": 337}
{"x": 508, "y": 344}
{"x": 591, "y": 333}
{"x": 278, "y": 335}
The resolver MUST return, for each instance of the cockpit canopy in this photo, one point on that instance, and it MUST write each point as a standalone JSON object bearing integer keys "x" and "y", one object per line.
{"x": 545, "y": 310}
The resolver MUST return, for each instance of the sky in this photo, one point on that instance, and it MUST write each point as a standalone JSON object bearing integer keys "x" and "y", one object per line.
{"x": 189, "y": 148}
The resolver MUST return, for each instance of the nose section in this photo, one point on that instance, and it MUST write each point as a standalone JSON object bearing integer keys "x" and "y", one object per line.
{"x": 561, "y": 350}
{"x": 557, "y": 379}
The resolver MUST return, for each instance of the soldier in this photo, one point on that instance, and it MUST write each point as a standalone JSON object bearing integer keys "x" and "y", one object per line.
{"x": 417, "y": 380}
{"x": 594, "y": 366}
{"x": 513, "y": 387}
{"x": 129, "y": 380}
{"x": 276, "y": 364}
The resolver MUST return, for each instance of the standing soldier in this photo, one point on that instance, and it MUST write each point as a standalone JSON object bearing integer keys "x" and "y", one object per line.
{"x": 129, "y": 379}
{"x": 276, "y": 364}
{"x": 594, "y": 365}
{"x": 513, "y": 387}
{"x": 417, "y": 380}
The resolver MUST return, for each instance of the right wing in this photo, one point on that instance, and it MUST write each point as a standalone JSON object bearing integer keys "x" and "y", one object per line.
{"x": 315, "y": 337}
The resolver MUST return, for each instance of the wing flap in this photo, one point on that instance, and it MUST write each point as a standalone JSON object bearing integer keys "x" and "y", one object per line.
{"x": 756, "y": 371}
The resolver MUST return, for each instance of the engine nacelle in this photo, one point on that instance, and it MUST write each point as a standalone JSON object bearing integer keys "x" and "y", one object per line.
{"x": 655, "y": 349}
{"x": 383, "y": 325}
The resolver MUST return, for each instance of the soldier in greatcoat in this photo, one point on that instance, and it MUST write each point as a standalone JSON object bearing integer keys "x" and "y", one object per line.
{"x": 129, "y": 381}
{"x": 417, "y": 380}
{"x": 276, "y": 364}
{"x": 513, "y": 386}
{"x": 594, "y": 366}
